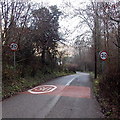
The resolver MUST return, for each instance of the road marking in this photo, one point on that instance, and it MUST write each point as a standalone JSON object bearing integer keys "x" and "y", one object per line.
{"x": 42, "y": 89}
{"x": 53, "y": 102}
{"x": 69, "y": 91}
{"x": 62, "y": 90}
{"x": 45, "y": 111}
{"x": 69, "y": 82}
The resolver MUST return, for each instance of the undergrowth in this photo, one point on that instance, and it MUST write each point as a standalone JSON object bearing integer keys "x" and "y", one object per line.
{"x": 106, "y": 91}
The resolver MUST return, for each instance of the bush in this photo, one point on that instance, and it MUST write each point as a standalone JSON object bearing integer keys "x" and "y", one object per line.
{"x": 71, "y": 67}
{"x": 108, "y": 87}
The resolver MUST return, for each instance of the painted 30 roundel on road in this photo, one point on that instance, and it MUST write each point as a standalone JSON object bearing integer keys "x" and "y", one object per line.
{"x": 42, "y": 89}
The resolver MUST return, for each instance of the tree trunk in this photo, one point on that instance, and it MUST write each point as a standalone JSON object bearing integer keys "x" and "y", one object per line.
{"x": 118, "y": 40}
{"x": 43, "y": 57}
{"x": 95, "y": 55}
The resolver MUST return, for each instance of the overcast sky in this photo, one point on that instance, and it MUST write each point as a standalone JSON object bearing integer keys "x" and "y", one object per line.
{"x": 60, "y": 2}
{"x": 68, "y": 23}
{"x": 71, "y": 24}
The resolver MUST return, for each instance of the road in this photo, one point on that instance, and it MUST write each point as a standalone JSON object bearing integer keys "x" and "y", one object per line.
{"x": 73, "y": 98}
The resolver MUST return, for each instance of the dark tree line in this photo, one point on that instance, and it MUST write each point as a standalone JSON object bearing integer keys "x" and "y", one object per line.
{"x": 35, "y": 29}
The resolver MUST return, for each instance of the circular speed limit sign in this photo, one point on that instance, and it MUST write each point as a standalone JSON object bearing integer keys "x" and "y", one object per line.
{"x": 103, "y": 55}
{"x": 13, "y": 46}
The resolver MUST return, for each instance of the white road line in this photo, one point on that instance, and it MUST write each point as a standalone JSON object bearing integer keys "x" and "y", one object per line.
{"x": 69, "y": 82}
{"x": 45, "y": 111}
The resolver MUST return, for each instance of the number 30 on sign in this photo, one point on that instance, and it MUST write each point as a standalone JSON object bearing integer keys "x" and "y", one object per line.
{"x": 14, "y": 46}
{"x": 103, "y": 55}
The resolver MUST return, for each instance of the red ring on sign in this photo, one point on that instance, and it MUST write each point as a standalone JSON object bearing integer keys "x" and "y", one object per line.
{"x": 106, "y": 55}
{"x": 13, "y": 46}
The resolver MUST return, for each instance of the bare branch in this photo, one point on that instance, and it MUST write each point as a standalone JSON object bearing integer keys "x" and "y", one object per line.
{"x": 116, "y": 45}
{"x": 118, "y": 21}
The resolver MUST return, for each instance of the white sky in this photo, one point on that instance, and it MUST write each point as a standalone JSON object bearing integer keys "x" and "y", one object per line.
{"x": 67, "y": 23}
{"x": 60, "y": 2}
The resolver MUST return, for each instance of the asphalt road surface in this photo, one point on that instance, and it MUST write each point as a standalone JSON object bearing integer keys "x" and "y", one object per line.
{"x": 72, "y": 98}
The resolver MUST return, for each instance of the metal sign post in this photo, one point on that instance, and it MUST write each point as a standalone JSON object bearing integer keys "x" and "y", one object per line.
{"x": 103, "y": 56}
{"x": 103, "y": 66}
{"x": 14, "y": 61}
{"x": 14, "y": 47}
